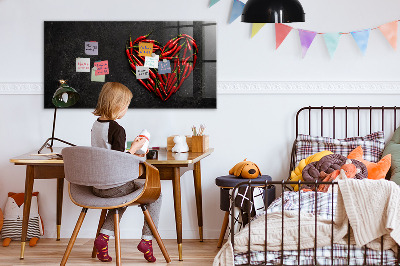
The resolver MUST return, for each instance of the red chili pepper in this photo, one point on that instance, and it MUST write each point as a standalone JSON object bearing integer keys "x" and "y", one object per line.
{"x": 142, "y": 38}
{"x": 174, "y": 43}
{"x": 190, "y": 37}
{"x": 194, "y": 59}
{"x": 130, "y": 43}
{"x": 192, "y": 42}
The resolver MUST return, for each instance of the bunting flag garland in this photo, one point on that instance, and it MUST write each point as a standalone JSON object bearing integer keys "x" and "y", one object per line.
{"x": 332, "y": 41}
{"x": 237, "y": 9}
{"x": 361, "y": 37}
{"x": 306, "y": 39}
{"x": 256, "y": 27}
{"x": 213, "y": 2}
{"x": 389, "y": 30}
{"x": 281, "y": 31}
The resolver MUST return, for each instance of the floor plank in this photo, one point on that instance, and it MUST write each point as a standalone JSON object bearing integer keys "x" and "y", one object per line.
{"x": 50, "y": 252}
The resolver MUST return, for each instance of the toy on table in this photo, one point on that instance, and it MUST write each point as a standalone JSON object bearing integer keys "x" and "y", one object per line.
{"x": 245, "y": 169}
{"x": 180, "y": 144}
{"x": 13, "y": 215}
{"x": 144, "y": 134}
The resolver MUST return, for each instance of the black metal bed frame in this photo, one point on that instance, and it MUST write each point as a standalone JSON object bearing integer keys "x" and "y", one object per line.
{"x": 283, "y": 184}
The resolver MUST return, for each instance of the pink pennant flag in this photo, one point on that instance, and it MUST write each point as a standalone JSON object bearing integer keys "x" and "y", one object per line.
{"x": 306, "y": 39}
{"x": 281, "y": 31}
{"x": 389, "y": 30}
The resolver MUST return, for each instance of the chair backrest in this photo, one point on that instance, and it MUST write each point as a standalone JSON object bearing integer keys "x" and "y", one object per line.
{"x": 92, "y": 166}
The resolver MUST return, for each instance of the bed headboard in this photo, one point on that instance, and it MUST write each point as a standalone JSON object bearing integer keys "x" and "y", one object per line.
{"x": 344, "y": 121}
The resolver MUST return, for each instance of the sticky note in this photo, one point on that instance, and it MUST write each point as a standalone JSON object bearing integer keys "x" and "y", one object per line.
{"x": 151, "y": 61}
{"x": 91, "y": 48}
{"x": 164, "y": 67}
{"x": 102, "y": 68}
{"x": 145, "y": 48}
{"x": 98, "y": 78}
{"x": 83, "y": 65}
{"x": 142, "y": 72}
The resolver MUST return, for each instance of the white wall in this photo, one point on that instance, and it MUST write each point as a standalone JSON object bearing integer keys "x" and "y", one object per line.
{"x": 259, "y": 127}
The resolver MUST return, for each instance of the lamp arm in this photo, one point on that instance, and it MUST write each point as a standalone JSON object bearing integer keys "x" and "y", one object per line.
{"x": 54, "y": 126}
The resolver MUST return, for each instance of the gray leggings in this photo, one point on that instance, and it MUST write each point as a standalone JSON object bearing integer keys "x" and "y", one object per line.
{"x": 154, "y": 208}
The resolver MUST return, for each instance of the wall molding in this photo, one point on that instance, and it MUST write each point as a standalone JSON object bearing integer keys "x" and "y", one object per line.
{"x": 260, "y": 87}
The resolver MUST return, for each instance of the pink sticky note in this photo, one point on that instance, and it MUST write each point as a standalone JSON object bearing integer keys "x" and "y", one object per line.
{"x": 102, "y": 68}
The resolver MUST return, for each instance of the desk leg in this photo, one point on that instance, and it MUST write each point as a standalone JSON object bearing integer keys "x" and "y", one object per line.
{"x": 176, "y": 182}
{"x": 60, "y": 190}
{"x": 27, "y": 206}
{"x": 199, "y": 204}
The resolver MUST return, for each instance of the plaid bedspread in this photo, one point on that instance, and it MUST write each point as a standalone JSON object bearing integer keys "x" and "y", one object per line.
{"x": 322, "y": 205}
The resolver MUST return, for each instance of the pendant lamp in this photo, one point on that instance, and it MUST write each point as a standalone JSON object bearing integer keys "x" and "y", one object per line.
{"x": 65, "y": 96}
{"x": 273, "y": 11}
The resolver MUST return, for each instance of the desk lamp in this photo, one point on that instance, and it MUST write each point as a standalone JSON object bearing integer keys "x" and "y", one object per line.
{"x": 65, "y": 96}
{"x": 273, "y": 11}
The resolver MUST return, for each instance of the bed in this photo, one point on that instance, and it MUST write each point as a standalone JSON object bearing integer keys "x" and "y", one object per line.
{"x": 298, "y": 227}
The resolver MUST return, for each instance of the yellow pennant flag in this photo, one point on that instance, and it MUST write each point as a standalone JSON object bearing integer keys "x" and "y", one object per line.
{"x": 256, "y": 28}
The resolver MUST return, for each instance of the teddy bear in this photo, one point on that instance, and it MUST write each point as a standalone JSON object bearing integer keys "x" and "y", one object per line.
{"x": 180, "y": 144}
{"x": 245, "y": 169}
{"x": 13, "y": 215}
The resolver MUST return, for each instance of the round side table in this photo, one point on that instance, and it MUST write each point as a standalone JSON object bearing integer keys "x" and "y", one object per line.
{"x": 228, "y": 182}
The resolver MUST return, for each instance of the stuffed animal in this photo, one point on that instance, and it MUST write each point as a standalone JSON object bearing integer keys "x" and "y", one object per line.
{"x": 13, "y": 215}
{"x": 245, "y": 169}
{"x": 180, "y": 144}
{"x": 348, "y": 170}
{"x": 296, "y": 174}
{"x": 375, "y": 170}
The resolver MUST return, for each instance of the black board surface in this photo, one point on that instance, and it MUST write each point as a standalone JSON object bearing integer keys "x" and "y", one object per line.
{"x": 64, "y": 41}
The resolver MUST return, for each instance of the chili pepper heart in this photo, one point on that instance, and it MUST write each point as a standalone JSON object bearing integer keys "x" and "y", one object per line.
{"x": 181, "y": 51}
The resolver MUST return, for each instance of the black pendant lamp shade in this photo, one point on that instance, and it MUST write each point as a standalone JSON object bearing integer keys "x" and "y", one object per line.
{"x": 273, "y": 11}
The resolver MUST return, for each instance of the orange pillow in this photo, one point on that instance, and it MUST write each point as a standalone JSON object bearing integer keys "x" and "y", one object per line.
{"x": 375, "y": 170}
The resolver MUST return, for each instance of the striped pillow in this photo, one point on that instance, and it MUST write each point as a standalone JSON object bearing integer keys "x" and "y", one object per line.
{"x": 372, "y": 145}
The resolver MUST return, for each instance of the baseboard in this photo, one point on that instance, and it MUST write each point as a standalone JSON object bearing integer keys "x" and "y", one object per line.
{"x": 260, "y": 87}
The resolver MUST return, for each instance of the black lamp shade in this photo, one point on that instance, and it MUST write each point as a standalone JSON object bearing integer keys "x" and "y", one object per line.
{"x": 273, "y": 11}
{"x": 65, "y": 96}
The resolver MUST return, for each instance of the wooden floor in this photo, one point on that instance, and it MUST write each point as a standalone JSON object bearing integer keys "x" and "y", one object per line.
{"x": 50, "y": 252}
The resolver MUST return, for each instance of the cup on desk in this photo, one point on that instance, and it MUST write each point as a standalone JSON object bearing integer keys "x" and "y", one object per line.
{"x": 152, "y": 155}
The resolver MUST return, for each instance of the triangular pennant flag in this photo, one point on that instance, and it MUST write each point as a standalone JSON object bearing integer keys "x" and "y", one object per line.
{"x": 255, "y": 28}
{"x": 281, "y": 31}
{"x": 390, "y": 32}
{"x": 213, "y": 2}
{"x": 361, "y": 37}
{"x": 237, "y": 9}
{"x": 306, "y": 39}
{"x": 332, "y": 41}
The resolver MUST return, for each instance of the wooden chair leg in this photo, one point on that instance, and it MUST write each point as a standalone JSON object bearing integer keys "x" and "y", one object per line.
{"x": 117, "y": 238}
{"x": 154, "y": 230}
{"x": 73, "y": 237}
{"x": 223, "y": 229}
{"x": 101, "y": 222}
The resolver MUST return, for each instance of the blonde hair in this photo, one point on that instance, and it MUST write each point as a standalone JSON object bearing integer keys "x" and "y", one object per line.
{"x": 112, "y": 99}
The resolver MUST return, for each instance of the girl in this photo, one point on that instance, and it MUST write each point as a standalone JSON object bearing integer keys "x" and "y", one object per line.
{"x": 112, "y": 104}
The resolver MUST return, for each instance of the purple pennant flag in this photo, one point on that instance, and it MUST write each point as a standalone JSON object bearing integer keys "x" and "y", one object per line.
{"x": 306, "y": 39}
{"x": 237, "y": 9}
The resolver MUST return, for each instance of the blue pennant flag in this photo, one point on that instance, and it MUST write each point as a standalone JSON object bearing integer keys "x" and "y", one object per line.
{"x": 213, "y": 2}
{"x": 332, "y": 41}
{"x": 361, "y": 38}
{"x": 237, "y": 9}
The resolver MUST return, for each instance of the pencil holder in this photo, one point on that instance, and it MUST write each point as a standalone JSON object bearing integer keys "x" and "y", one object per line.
{"x": 200, "y": 143}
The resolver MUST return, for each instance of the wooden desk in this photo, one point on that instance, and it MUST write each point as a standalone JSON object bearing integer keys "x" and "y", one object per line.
{"x": 169, "y": 165}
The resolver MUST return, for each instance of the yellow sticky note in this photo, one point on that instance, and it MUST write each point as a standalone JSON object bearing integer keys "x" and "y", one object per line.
{"x": 145, "y": 48}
